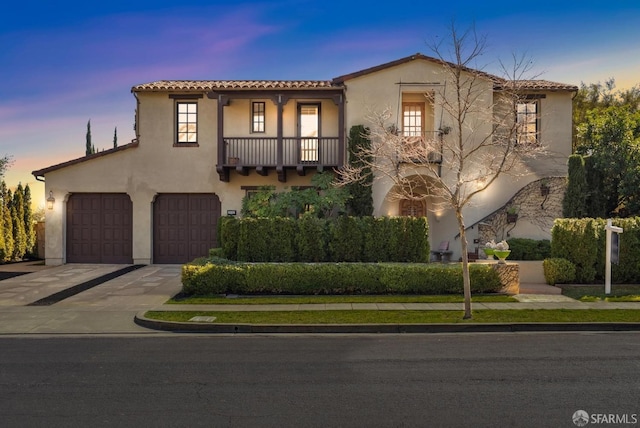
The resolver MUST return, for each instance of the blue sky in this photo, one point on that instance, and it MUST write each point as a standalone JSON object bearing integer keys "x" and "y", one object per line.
{"x": 64, "y": 63}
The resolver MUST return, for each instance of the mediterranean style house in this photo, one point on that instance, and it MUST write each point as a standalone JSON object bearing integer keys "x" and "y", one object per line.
{"x": 201, "y": 146}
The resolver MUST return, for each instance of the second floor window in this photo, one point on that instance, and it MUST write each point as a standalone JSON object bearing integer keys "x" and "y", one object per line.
{"x": 412, "y": 119}
{"x": 527, "y": 122}
{"x": 187, "y": 122}
{"x": 257, "y": 116}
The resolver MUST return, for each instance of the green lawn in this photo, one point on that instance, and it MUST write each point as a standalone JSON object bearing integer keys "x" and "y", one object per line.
{"x": 593, "y": 293}
{"x": 404, "y": 317}
{"x": 299, "y": 300}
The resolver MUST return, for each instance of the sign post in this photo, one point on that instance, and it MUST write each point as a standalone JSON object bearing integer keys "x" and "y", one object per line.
{"x": 612, "y": 251}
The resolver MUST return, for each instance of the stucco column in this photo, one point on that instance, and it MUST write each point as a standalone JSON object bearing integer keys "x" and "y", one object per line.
{"x": 55, "y": 229}
{"x": 142, "y": 202}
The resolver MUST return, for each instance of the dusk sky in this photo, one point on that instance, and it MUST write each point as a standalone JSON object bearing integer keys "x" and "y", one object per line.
{"x": 64, "y": 63}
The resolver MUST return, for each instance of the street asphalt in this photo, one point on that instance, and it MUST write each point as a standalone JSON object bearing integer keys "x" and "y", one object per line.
{"x": 112, "y": 299}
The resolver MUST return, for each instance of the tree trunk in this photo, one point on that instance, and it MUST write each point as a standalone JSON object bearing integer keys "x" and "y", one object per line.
{"x": 466, "y": 278}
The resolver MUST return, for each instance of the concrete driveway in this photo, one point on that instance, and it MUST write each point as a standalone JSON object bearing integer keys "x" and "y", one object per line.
{"x": 109, "y": 307}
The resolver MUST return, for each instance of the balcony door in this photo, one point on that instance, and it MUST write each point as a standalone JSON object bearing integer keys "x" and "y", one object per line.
{"x": 413, "y": 127}
{"x": 309, "y": 131}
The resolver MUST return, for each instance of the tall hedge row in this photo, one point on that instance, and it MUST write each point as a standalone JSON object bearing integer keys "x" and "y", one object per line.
{"x": 308, "y": 239}
{"x": 582, "y": 242}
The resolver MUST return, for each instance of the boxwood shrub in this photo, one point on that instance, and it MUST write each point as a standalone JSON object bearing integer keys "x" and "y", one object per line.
{"x": 209, "y": 278}
{"x": 222, "y": 277}
{"x": 529, "y": 249}
{"x": 577, "y": 241}
{"x": 558, "y": 271}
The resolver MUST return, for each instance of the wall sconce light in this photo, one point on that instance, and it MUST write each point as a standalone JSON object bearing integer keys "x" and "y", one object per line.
{"x": 50, "y": 200}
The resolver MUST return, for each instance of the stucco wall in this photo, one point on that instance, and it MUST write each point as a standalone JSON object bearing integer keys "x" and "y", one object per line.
{"x": 237, "y": 117}
{"x": 154, "y": 166}
{"x": 554, "y": 136}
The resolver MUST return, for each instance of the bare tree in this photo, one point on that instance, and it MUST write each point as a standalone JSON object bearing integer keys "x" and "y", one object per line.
{"x": 461, "y": 160}
{"x": 5, "y": 163}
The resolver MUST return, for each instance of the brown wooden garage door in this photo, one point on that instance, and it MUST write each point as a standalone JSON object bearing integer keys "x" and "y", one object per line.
{"x": 99, "y": 228}
{"x": 184, "y": 226}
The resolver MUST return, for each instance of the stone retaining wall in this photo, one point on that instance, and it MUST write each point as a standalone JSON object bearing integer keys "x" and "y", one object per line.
{"x": 509, "y": 274}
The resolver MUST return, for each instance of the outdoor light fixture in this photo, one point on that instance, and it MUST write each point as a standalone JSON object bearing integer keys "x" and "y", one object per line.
{"x": 50, "y": 200}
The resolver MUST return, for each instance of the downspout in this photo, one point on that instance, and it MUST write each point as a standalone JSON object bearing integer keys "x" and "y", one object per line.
{"x": 137, "y": 123}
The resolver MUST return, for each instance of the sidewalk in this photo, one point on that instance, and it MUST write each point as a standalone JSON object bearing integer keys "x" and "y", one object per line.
{"x": 118, "y": 306}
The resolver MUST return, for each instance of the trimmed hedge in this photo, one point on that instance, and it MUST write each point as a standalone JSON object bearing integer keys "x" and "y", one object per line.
{"x": 529, "y": 249}
{"x": 577, "y": 241}
{"x": 228, "y": 233}
{"x": 558, "y": 271}
{"x": 312, "y": 240}
{"x": 225, "y": 277}
{"x": 582, "y": 242}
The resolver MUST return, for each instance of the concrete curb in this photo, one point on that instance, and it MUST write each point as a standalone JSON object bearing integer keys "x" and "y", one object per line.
{"x": 199, "y": 327}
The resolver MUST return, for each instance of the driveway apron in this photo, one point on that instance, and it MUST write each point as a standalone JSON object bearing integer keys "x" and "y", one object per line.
{"x": 107, "y": 307}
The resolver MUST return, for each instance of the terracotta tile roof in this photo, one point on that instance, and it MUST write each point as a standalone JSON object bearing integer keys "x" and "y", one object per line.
{"x": 544, "y": 85}
{"x": 336, "y": 83}
{"x": 210, "y": 85}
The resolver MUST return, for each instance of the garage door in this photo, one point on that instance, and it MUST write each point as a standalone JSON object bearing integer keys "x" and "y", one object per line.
{"x": 99, "y": 228}
{"x": 184, "y": 226}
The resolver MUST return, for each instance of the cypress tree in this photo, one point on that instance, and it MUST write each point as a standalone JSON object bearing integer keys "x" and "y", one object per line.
{"x": 7, "y": 233}
{"x": 3, "y": 250}
{"x": 89, "y": 149}
{"x": 361, "y": 201}
{"x": 598, "y": 199}
{"x": 574, "y": 204}
{"x": 29, "y": 228}
{"x": 7, "y": 224}
{"x": 17, "y": 218}
{"x": 115, "y": 137}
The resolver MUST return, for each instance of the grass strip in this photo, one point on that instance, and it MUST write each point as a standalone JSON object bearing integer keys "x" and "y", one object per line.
{"x": 405, "y": 316}
{"x": 595, "y": 293}
{"x": 298, "y": 300}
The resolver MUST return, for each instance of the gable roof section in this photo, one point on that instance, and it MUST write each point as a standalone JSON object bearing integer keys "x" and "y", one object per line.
{"x": 405, "y": 60}
{"x": 42, "y": 172}
{"x": 498, "y": 82}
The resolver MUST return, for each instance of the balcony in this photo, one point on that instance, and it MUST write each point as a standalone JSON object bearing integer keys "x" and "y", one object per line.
{"x": 421, "y": 149}
{"x": 312, "y": 106}
{"x": 243, "y": 154}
